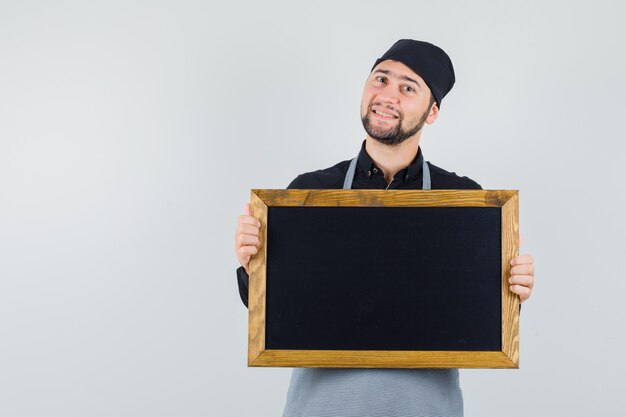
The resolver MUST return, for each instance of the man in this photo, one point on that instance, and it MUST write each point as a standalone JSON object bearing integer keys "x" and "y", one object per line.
{"x": 402, "y": 93}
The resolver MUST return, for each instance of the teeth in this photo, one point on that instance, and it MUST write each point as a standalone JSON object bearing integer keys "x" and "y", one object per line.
{"x": 383, "y": 114}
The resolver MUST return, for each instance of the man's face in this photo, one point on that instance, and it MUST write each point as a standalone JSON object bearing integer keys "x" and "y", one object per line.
{"x": 395, "y": 103}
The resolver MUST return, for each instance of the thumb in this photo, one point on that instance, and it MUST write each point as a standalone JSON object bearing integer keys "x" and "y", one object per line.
{"x": 521, "y": 239}
{"x": 246, "y": 209}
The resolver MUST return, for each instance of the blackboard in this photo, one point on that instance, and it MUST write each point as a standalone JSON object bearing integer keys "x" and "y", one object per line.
{"x": 360, "y": 278}
{"x": 401, "y": 278}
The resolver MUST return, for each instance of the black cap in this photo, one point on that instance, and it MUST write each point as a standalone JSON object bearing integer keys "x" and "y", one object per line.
{"x": 428, "y": 61}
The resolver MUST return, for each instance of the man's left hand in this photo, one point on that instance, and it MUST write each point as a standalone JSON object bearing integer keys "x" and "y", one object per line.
{"x": 522, "y": 275}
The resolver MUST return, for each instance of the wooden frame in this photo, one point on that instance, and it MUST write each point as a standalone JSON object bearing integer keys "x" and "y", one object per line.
{"x": 507, "y": 200}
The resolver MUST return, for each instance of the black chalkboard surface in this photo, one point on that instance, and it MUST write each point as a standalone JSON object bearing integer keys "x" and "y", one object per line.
{"x": 384, "y": 278}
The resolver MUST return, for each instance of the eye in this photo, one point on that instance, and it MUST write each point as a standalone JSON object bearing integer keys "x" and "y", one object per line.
{"x": 408, "y": 88}
{"x": 380, "y": 79}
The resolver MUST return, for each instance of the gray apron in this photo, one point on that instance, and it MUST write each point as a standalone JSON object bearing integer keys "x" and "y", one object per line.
{"x": 374, "y": 392}
{"x": 347, "y": 182}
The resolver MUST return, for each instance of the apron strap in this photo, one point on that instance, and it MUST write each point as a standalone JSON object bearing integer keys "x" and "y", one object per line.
{"x": 425, "y": 176}
{"x": 347, "y": 182}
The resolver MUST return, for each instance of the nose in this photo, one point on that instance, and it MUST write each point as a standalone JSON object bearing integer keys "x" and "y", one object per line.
{"x": 389, "y": 95}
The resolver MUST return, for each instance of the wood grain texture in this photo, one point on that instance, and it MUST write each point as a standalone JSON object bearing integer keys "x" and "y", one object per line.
{"x": 256, "y": 285}
{"x": 384, "y": 198}
{"x": 383, "y": 359}
{"x": 507, "y": 358}
{"x": 510, "y": 300}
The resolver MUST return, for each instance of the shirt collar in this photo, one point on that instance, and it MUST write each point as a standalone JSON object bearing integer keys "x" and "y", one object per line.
{"x": 367, "y": 165}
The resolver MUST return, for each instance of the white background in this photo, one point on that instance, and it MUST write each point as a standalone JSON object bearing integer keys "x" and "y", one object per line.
{"x": 132, "y": 132}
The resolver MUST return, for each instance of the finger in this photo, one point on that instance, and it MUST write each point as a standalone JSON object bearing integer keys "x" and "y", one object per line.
{"x": 524, "y": 280}
{"x": 245, "y": 219}
{"x": 247, "y": 240}
{"x": 247, "y": 229}
{"x": 246, "y": 209}
{"x": 523, "y": 292}
{"x": 523, "y": 269}
{"x": 521, "y": 239}
{"x": 523, "y": 259}
{"x": 247, "y": 250}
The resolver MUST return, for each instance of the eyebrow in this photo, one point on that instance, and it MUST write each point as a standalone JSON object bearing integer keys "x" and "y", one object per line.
{"x": 402, "y": 77}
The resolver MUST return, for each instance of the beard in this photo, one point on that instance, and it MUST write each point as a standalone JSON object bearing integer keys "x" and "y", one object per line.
{"x": 394, "y": 135}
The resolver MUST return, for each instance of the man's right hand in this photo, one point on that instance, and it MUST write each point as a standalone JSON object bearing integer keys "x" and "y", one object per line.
{"x": 246, "y": 237}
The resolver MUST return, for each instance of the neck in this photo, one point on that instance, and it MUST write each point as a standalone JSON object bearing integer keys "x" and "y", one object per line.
{"x": 392, "y": 159}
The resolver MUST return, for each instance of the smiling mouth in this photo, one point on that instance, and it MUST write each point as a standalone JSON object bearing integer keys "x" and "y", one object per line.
{"x": 384, "y": 115}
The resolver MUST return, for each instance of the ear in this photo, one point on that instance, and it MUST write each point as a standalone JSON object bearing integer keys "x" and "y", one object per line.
{"x": 432, "y": 114}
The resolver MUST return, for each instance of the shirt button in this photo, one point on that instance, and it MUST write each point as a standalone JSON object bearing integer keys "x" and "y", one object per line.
{"x": 375, "y": 170}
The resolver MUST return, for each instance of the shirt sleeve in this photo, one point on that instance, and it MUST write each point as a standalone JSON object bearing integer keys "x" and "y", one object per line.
{"x": 242, "y": 283}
